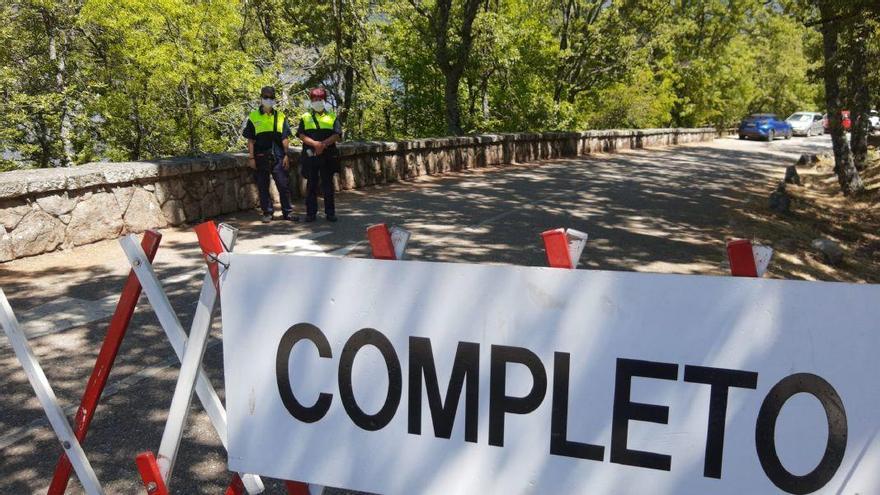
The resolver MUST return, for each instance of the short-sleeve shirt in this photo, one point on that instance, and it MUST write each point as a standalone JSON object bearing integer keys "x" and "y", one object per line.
{"x": 318, "y": 134}
{"x": 266, "y": 140}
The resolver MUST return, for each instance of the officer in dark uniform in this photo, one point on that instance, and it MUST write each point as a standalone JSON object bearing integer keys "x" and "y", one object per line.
{"x": 267, "y": 132}
{"x": 319, "y": 131}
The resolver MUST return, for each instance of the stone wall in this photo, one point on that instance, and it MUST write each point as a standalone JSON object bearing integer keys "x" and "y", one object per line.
{"x": 47, "y": 209}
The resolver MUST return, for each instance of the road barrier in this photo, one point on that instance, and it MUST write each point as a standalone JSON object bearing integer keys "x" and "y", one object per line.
{"x": 679, "y": 384}
{"x": 275, "y": 418}
{"x": 128, "y": 299}
{"x": 748, "y": 259}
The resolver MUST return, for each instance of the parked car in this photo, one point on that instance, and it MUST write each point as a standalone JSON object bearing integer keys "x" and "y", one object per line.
{"x": 874, "y": 119}
{"x": 806, "y": 123}
{"x": 844, "y": 115}
{"x": 766, "y": 126}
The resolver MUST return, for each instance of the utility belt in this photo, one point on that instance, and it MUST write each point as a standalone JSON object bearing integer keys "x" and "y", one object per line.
{"x": 331, "y": 152}
{"x": 265, "y": 160}
{"x": 329, "y": 158}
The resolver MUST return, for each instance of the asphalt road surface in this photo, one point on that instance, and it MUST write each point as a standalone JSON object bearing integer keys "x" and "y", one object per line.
{"x": 661, "y": 210}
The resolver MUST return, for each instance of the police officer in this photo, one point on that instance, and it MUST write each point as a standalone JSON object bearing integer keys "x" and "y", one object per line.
{"x": 319, "y": 131}
{"x": 267, "y": 132}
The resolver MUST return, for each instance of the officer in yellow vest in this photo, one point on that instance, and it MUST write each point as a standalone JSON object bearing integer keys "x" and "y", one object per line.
{"x": 319, "y": 131}
{"x": 268, "y": 132}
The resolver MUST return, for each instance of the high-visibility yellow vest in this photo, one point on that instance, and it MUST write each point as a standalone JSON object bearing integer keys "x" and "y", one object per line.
{"x": 316, "y": 120}
{"x": 263, "y": 122}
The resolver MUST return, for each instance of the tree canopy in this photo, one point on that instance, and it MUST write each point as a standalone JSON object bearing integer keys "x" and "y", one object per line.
{"x": 86, "y": 80}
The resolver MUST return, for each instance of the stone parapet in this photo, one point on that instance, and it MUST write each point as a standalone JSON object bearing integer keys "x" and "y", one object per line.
{"x": 42, "y": 210}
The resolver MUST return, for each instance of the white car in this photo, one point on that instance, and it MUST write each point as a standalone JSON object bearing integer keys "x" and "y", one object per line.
{"x": 806, "y": 124}
{"x": 874, "y": 120}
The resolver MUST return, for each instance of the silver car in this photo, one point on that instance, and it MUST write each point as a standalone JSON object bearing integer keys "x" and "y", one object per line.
{"x": 806, "y": 124}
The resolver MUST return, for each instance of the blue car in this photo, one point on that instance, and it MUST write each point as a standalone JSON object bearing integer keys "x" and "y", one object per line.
{"x": 765, "y": 126}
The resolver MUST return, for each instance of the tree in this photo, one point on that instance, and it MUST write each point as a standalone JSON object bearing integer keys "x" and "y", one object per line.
{"x": 135, "y": 79}
{"x": 847, "y": 175}
{"x": 447, "y": 25}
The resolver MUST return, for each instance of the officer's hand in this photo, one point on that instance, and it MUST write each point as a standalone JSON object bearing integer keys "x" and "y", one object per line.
{"x": 285, "y": 163}
{"x": 319, "y": 148}
{"x": 252, "y": 163}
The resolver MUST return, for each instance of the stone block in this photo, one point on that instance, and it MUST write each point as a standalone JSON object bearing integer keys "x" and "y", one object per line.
{"x": 169, "y": 189}
{"x": 173, "y": 212}
{"x": 46, "y": 179}
{"x": 95, "y": 217}
{"x": 36, "y": 233}
{"x": 831, "y": 251}
{"x": 143, "y": 212}
{"x": 57, "y": 204}
{"x": 13, "y": 184}
{"x": 85, "y": 176}
{"x": 123, "y": 195}
{"x": 192, "y": 208}
{"x": 12, "y": 211}
{"x": 248, "y": 196}
{"x": 6, "y": 251}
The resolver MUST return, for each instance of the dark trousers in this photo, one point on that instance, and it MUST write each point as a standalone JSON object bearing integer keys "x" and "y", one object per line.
{"x": 282, "y": 182}
{"x": 319, "y": 170}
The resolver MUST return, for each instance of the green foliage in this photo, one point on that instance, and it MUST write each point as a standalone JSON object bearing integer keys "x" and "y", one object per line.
{"x": 85, "y": 80}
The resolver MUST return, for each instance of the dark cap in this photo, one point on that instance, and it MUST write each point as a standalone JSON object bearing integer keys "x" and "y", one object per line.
{"x": 268, "y": 91}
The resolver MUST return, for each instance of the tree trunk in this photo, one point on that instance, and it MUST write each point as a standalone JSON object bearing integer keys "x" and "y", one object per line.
{"x": 190, "y": 121}
{"x": 450, "y": 99}
{"x": 68, "y": 155}
{"x": 345, "y": 41}
{"x": 847, "y": 175}
{"x": 484, "y": 97}
{"x": 135, "y": 152}
{"x": 347, "y": 95}
{"x": 861, "y": 99}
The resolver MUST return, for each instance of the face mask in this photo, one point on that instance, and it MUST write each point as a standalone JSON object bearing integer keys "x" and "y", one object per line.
{"x": 317, "y": 106}
{"x": 268, "y": 102}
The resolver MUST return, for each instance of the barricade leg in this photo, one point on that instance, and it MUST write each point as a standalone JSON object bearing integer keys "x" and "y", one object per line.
{"x": 178, "y": 338}
{"x": 47, "y": 399}
{"x": 387, "y": 243}
{"x": 748, "y": 259}
{"x": 563, "y": 247}
{"x": 296, "y": 488}
{"x": 380, "y": 242}
{"x": 128, "y": 299}
{"x": 236, "y": 487}
{"x": 194, "y": 352}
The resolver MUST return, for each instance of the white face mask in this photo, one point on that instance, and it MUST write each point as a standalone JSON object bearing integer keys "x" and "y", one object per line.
{"x": 268, "y": 103}
{"x": 317, "y": 105}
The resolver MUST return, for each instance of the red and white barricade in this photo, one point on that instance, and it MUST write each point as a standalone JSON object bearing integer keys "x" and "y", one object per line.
{"x": 48, "y": 401}
{"x": 748, "y": 259}
{"x": 564, "y": 247}
{"x": 73, "y": 457}
{"x": 156, "y": 470}
{"x": 128, "y": 299}
{"x": 387, "y": 243}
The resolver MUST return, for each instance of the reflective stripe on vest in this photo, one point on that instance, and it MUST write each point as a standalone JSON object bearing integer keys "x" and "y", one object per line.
{"x": 324, "y": 120}
{"x": 263, "y": 121}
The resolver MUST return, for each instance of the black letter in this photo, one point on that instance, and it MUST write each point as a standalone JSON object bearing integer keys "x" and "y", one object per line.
{"x": 765, "y": 433}
{"x": 721, "y": 380}
{"x": 499, "y": 401}
{"x": 293, "y": 335}
{"x": 465, "y": 366}
{"x": 361, "y": 338}
{"x": 559, "y": 443}
{"x": 624, "y": 411}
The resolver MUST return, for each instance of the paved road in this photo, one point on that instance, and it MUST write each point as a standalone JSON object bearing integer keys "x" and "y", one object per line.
{"x": 658, "y": 211}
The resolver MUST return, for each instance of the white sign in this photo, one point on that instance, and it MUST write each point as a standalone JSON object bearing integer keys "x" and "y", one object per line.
{"x": 431, "y": 378}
